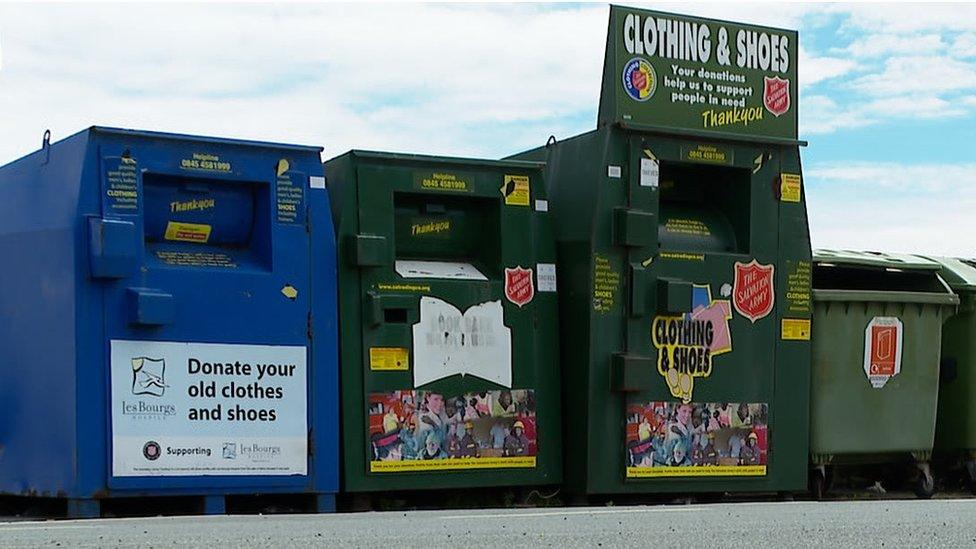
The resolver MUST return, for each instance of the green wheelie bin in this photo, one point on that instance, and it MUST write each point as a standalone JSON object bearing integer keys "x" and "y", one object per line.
{"x": 955, "y": 433}
{"x": 875, "y": 379}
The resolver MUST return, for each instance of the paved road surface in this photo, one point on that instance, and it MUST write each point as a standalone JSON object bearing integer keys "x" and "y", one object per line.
{"x": 937, "y": 523}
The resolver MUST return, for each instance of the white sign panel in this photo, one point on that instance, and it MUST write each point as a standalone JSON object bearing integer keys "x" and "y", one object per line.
{"x": 192, "y": 409}
{"x": 409, "y": 268}
{"x": 650, "y": 171}
{"x": 545, "y": 274}
{"x": 447, "y": 342}
{"x": 882, "y": 349}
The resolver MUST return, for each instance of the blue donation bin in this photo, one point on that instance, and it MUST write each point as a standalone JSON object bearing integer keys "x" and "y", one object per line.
{"x": 160, "y": 333}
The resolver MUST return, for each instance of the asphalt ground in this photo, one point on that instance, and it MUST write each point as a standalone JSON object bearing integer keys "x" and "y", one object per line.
{"x": 835, "y": 524}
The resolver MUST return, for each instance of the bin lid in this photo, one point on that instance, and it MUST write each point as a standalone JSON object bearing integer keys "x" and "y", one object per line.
{"x": 879, "y": 260}
{"x": 959, "y": 273}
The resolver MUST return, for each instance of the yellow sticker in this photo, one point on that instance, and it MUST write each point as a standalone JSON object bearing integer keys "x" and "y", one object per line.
{"x": 789, "y": 187}
{"x": 796, "y": 329}
{"x": 187, "y": 232}
{"x": 289, "y": 291}
{"x": 484, "y": 462}
{"x": 705, "y": 471}
{"x": 283, "y": 167}
{"x": 389, "y": 359}
{"x": 515, "y": 189}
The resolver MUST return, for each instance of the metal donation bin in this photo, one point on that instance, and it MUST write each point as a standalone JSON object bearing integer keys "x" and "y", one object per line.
{"x": 684, "y": 264}
{"x": 877, "y": 328}
{"x": 447, "y": 289}
{"x": 157, "y": 310}
{"x": 955, "y": 433}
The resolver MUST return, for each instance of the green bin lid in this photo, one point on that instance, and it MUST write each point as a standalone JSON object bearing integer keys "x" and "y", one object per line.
{"x": 960, "y": 274}
{"x": 875, "y": 259}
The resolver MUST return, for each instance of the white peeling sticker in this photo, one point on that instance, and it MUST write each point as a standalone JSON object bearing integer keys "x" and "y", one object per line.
{"x": 447, "y": 342}
{"x": 650, "y": 171}
{"x": 542, "y": 205}
{"x": 613, "y": 171}
{"x": 545, "y": 274}
{"x": 316, "y": 182}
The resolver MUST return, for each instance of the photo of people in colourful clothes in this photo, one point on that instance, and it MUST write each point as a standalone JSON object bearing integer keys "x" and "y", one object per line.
{"x": 675, "y": 434}
{"x": 425, "y": 425}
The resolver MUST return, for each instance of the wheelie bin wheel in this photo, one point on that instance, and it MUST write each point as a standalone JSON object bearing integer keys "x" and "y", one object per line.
{"x": 818, "y": 483}
{"x": 924, "y": 484}
{"x": 971, "y": 475}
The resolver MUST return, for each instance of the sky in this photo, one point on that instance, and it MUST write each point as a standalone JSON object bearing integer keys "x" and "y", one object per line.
{"x": 887, "y": 91}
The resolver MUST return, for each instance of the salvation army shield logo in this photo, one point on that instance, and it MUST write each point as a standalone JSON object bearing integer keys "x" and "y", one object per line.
{"x": 752, "y": 290}
{"x": 519, "y": 288}
{"x": 776, "y": 95}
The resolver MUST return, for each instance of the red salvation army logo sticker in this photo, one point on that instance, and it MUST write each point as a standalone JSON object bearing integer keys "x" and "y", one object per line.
{"x": 752, "y": 289}
{"x": 776, "y": 95}
{"x": 519, "y": 288}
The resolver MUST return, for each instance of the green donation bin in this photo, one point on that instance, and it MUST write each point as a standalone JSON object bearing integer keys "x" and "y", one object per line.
{"x": 955, "y": 432}
{"x": 448, "y": 315}
{"x": 877, "y": 331}
{"x": 684, "y": 264}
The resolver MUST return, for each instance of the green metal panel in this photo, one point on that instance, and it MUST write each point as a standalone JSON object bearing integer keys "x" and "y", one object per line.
{"x": 956, "y": 425}
{"x": 490, "y": 217}
{"x": 619, "y": 297}
{"x": 875, "y": 393}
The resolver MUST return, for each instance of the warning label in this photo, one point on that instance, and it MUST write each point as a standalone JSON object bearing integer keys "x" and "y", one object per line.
{"x": 515, "y": 189}
{"x": 790, "y": 187}
{"x": 796, "y": 329}
{"x": 187, "y": 232}
{"x": 389, "y": 359}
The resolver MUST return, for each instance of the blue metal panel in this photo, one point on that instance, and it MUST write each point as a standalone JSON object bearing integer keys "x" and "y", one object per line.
{"x": 240, "y": 273}
{"x": 37, "y": 320}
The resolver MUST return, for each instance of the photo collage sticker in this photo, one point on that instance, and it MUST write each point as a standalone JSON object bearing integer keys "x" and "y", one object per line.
{"x": 426, "y": 430}
{"x": 673, "y": 439}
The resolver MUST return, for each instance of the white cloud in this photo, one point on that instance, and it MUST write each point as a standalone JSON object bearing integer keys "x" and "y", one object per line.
{"x": 893, "y": 207}
{"x": 900, "y": 18}
{"x": 893, "y": 175}
{"x": 819, "y": 114}
{"x": 964, "y": 45}
{"x": 875, "y": 45}
{"x": 814, "y": 69}
{"x": 927, "y": 75}
{"x": 445, "y": 75}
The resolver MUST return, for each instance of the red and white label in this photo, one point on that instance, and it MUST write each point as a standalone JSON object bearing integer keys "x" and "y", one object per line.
{"x": 776, "y": 95}
{"x": 519, "y": 288}
{"x": 752, "y": 289}
{"x": 882, "y": 350}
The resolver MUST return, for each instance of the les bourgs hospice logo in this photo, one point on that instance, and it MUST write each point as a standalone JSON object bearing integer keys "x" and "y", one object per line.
{"x": 148, "y": 380}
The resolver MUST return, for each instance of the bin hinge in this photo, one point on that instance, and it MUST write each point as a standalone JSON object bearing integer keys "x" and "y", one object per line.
{"x": 308, "y": 325}
{"x": 46, "y": 146}
{"x": 311, "y": 443}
